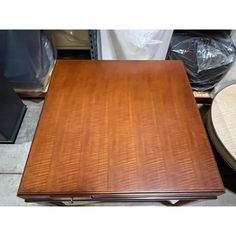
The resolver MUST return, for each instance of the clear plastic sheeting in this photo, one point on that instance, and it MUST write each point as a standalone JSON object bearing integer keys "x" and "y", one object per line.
{"x": 70, "y": 39}
{"x": 230, "y": 77}
{"x": 207, "y": 57}
{"x": 27, "y": 59}
{"x": 134, "y": 44}
{"x": 212, "y": 54}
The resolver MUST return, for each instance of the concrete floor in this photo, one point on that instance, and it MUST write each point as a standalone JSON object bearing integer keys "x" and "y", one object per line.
{"x": 13, "y": 158}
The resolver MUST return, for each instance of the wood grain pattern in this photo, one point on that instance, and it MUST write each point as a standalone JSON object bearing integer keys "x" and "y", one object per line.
{"x": 111, "y": 127}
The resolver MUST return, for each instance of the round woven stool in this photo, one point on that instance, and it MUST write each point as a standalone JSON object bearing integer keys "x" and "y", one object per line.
{"x": 221, "y": 124}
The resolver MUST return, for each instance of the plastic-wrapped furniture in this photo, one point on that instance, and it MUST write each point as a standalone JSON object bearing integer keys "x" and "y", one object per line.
{"x": 26, "y": 59}
{"x": 133, "y": 44}
{"x": 230, "y": 77}
{"x": 70, "y": 39}
{"x": 207, "y": 55}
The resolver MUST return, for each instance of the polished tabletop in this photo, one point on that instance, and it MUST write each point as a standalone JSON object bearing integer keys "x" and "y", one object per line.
{"x": 120, "y": 129}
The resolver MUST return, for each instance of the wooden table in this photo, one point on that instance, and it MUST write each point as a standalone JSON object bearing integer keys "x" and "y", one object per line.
{"x": 120, "y": 131}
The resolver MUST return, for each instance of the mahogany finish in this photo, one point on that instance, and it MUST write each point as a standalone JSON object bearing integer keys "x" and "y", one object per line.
{"x": 110, "y": 130}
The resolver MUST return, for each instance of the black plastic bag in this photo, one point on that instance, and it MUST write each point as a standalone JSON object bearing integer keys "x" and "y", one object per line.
{"x": 26, "y": 59}
{"x": 207, "y": 56}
